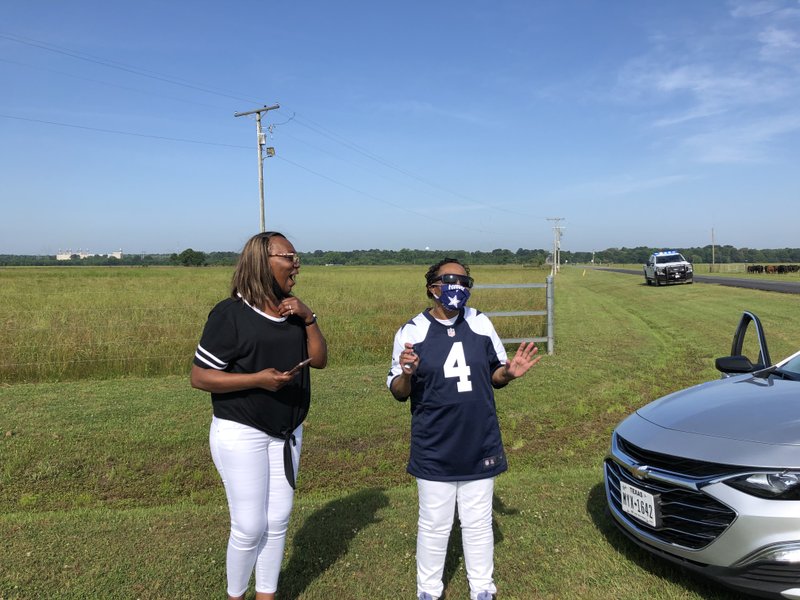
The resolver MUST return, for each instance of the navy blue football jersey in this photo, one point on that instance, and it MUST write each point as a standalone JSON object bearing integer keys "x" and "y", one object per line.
{"x": 455, "y": 435}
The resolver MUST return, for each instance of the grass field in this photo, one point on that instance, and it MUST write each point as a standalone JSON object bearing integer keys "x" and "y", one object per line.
{"x": 106, "y": 322}
{"x": 107, "y": 489}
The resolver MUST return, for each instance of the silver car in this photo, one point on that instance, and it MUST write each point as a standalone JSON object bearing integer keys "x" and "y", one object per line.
{"x": 709, "y": 477}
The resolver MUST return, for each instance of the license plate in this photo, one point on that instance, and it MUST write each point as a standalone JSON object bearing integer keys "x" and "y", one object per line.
{"x": 640, "y": 504}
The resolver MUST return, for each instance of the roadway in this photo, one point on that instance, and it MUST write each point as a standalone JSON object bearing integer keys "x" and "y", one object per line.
{"x": 769, "y": 285}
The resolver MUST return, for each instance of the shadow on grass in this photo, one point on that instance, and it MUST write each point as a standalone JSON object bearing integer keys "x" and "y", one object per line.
{"x": 597, "y": 508}
{"x": 325, "y": 537}
{"x": 455, "y": 549}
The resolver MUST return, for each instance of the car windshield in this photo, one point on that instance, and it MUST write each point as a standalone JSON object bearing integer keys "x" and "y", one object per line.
{"x": 792, "y": 365}
{"x": 668, "y": 258}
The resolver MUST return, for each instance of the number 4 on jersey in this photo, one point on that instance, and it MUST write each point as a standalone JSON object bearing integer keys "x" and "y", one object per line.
{"x": 455, "y": 365}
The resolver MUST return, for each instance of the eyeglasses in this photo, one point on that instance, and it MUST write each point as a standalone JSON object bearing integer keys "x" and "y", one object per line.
{"x": 293, "y": 256}
{"x": 454, "y": 279}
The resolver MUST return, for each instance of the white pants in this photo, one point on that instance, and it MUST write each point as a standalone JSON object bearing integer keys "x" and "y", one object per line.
{"x": 260, "y": 498}
{"x": 437, "y": 503}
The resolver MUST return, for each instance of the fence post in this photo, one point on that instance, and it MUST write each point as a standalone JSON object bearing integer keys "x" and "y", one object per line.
{"x": 550, "y": 322}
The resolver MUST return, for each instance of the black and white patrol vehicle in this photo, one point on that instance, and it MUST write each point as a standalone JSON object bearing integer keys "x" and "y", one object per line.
{"x": 667, "y": 267}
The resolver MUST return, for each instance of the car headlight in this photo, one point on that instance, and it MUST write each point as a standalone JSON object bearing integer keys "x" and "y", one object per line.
{"x": 689, "y": 268}
{"x": 775, "y": 486}
{"x": 660, "y": 270}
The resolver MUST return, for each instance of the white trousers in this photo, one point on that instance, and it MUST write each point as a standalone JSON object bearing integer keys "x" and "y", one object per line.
{"x": 250, "y": 463}
{"x": 437, "y": 503}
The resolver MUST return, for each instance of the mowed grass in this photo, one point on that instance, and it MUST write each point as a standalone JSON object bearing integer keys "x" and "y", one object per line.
{"x": 107, "y": 489}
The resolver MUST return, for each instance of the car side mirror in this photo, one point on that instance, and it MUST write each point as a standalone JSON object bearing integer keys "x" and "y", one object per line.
{"x": 734, "y": 364}
{"x": 737, "y": 345}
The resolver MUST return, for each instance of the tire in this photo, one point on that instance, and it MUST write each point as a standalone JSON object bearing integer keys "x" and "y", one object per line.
{"x": 647, "y": 280}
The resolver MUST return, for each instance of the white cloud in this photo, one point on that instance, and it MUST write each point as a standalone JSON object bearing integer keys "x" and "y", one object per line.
{"x": 771, "y": 9}
{"x": 727, "y": 92}
{"x": 744, "y": 143}
{"x": 622, "y": 186}
{"x": 778, "y": 43}
{"x": 697, "y": 112}
{"x": 750, "y": 8}
{"x": 420, "y": 108}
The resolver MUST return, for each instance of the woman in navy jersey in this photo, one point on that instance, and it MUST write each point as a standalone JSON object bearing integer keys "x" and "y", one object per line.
{"x": 253, "y": 358}
{"x": 449, "y": 360}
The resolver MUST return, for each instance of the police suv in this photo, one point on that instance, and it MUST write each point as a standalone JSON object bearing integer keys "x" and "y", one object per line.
{"x": 667, "y": 267}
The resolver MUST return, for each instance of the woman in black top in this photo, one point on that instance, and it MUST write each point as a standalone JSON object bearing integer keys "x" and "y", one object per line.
{"x": 250, "y": 358}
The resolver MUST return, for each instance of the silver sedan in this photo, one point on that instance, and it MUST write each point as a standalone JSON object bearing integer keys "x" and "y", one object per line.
{"x": 709, "y": 477}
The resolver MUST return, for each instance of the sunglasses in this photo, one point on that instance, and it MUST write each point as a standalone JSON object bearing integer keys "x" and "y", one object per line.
{"x": 293, "y": 256}
{"x": 455, "y": 279}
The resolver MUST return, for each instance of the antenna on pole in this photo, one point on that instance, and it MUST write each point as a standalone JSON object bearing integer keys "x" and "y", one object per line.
{"x": 262, "y": 141}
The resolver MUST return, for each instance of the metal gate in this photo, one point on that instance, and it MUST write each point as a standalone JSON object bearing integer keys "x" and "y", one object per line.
{"x": 526, "y": 313}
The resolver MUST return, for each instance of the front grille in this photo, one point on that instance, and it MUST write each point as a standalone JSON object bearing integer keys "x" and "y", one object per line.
{"x": 676, "y": 272}
{"x": 689, "y": 518}
{"x": 685, "y": 467}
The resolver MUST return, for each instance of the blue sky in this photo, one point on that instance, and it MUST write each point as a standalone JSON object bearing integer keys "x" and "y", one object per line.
{"x": 447, "y": 125}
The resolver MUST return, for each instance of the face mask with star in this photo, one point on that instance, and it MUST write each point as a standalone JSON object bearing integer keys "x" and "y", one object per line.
{"x": 453, "y": 297}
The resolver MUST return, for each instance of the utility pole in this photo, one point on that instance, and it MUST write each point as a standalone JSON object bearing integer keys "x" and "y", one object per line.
{"x": 556, "y": 244}
{"x": 712, "y": 250}
{"x": 261, "y": 139}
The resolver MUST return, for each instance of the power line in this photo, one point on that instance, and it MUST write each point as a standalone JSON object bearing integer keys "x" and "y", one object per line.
{"x": 238, "y": 147}
{"x": 356, "y": 148}
{"x": 120, "y": 66}
{"x": 315, "y": 127}
{"x": 119, "y": 132}
{"x": 115, "y": 85}
{"x": 448, "y": 222}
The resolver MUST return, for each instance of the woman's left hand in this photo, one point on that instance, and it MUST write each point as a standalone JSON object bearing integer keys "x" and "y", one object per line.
{"x": 524, "y": 359}
{"x": 317, "y": 347}
{"x": 293, "y": 306}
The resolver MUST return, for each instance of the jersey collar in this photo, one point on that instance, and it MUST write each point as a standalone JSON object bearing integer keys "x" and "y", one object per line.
{"x": 261, "y": 312}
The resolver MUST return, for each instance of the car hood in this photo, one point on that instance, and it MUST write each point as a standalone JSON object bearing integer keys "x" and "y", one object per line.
{"x": 745, "y": 408}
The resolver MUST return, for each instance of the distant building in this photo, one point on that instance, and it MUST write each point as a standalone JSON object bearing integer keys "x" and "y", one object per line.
{"x": 81, "y": 254}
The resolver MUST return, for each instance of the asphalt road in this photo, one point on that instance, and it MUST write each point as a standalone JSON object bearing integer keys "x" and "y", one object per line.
{"x": 769, "y": 285}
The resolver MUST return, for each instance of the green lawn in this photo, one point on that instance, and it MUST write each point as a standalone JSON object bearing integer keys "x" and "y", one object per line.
{"x": 107, "y": 489}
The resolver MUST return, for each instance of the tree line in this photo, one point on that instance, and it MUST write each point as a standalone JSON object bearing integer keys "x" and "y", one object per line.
{"x": 533, "y": 258}
{"x": 706, "y": 254}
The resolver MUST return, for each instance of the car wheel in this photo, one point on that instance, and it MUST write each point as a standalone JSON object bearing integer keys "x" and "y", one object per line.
{"x": 647, "y": 280}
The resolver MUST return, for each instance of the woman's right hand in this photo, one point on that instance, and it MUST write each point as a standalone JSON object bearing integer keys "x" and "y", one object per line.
{"x": 409, "y": 359}
{"x": 272, "y": 380}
